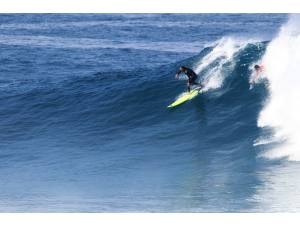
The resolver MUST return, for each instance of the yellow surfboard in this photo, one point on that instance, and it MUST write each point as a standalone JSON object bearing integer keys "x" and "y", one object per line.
{"x": 185, "y": 97}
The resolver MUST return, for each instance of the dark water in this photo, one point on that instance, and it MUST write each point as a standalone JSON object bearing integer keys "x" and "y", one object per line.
{"x": 84, "y": 125}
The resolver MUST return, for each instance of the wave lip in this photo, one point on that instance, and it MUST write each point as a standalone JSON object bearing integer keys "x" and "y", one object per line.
{"x": 219, "y": 58}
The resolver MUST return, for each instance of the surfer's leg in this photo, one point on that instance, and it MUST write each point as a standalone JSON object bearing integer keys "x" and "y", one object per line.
{"x": 198, "y": 85}
{"x": 188, "y": 86}
{"x": 195, "y": 85}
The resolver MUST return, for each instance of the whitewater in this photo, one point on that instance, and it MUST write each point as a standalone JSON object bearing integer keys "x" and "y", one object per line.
{"x": 282, "y": 107}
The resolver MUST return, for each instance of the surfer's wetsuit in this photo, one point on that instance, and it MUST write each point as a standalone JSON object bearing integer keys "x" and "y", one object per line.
{"x": 192, "y": 76}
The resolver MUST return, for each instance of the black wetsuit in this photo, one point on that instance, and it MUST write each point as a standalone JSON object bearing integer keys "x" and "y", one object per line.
{"x": 192, "y": 76}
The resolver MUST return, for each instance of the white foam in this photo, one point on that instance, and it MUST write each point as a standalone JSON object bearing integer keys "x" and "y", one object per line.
{"x": 282, "y": 110}
{"x": 262, "y": 141}
{"x": 223, "y": 51}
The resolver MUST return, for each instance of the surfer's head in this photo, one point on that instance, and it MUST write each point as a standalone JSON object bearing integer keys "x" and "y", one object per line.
{"x": 256, "y": 67}
{"x": 183, "y": 68}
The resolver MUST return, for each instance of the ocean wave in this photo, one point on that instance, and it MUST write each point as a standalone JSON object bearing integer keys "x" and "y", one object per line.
{"x": 282, "y": 108}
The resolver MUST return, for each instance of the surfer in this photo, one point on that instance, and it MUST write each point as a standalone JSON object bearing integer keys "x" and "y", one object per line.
{"x": 258, "y": 70}
{"x": 192, "y": 77}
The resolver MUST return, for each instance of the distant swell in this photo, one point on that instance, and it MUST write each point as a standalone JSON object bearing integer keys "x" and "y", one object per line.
{"x": 91, "y": 43}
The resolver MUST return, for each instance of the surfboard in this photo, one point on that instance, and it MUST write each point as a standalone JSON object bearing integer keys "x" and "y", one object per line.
{"x": 186, "y": 96}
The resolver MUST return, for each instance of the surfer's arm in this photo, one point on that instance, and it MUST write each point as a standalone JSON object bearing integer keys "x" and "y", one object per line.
{"x": 177, "y": 74}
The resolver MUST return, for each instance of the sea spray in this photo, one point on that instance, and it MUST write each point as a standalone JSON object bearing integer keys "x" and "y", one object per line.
{"x": 222, "y": 53}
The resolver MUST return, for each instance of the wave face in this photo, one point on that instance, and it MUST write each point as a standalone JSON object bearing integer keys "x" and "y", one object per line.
{"x": 84, "y": 124}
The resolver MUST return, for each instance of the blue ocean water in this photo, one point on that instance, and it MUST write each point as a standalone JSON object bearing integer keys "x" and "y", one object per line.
{"x": 84, "y": 125}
